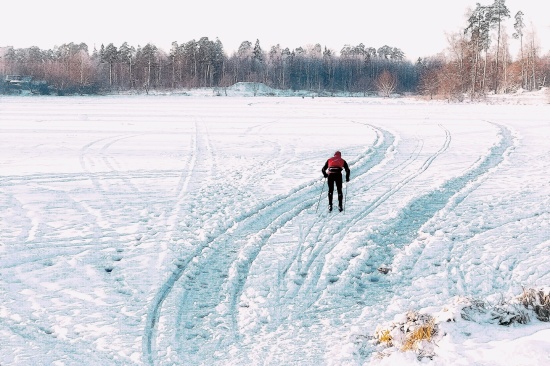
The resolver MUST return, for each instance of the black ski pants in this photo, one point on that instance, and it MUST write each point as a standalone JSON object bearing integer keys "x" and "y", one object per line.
{"x": 335, "y": 178}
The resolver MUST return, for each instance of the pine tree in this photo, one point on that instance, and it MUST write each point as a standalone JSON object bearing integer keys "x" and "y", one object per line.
{"x": 518, "y": 26}
{"x": 109, "y": 55}
{"x": 479, "y": 30}
{"x": 499, "y": 12}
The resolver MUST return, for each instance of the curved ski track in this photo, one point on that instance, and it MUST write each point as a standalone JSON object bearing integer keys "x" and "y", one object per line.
{"x": 351, "y": 282}
{"x": 253, "y": 229}
{"x": 210, "y": 281}
{"x": 380, "y": 245}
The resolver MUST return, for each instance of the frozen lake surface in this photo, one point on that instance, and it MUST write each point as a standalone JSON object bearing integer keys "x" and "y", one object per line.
{"x": 166, "y": 230}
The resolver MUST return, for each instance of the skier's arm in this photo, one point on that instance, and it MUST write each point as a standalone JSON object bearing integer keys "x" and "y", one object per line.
{"x": 346, "y": 167}
{"x": 324, "y": 170}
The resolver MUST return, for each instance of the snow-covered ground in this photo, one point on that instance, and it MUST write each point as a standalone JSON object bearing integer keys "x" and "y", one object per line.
{"x": 192, "y": 230}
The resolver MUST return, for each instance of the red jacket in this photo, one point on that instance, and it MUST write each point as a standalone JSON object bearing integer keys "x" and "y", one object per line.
{"x": 335, "y": 165}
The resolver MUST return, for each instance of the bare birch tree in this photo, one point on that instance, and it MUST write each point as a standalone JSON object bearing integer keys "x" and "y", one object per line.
{"x": 386, "y": 83}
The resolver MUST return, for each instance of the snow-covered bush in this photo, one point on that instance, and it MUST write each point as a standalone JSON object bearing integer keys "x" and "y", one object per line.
{"x": 412, "y": 332}
{"x": 507, "y": 312}
{"x": 502, "y": 313}
{"x": 420, "y": 331}
{"x": 537, "y": 300}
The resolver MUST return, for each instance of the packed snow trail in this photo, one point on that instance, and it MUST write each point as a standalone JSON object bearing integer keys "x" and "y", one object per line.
{"x": 402, "y": 230}
{"x": 345, "y": 282}
{"x": 212, "y": 260}
{"x": 219, "y": 316}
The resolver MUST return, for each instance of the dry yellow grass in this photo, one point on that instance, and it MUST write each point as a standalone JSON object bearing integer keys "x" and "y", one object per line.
{"x": 423, "y": 332}
{"x": 385, "y": 337}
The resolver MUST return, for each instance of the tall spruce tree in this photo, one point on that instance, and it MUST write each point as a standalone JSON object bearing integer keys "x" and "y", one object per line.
{"x": 518, "y": 26}
{"x": 499, "y": 12}
{"x": 479, "y": 30}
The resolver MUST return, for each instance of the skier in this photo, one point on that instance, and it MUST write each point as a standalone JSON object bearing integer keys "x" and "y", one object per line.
{"x": 333, "y": 171}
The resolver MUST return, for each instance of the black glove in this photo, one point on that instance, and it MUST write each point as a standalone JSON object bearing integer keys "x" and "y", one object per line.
{"x": 347, "y": 179}
{"x": 325, "y": 175}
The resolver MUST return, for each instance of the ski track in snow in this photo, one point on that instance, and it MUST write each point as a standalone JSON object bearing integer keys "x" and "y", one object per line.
{"x": 236, "y": 274}
{"x": 201, "y": 156}
{"x": 203, "y": 296}
{"x": 215, "y": 255}
{"x": 310, "y": 283}
{"x": 347, "y": 277}
{"x": 395, "y": 236}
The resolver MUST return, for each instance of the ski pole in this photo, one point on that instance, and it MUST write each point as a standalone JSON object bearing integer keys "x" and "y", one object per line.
{"x": 345, "y": 197}
{"x": 322, "y": 189}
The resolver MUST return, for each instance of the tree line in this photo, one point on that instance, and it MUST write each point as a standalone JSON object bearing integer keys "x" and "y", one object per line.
{"x": 72, "y": 68}
{"x": 479, "y": 60}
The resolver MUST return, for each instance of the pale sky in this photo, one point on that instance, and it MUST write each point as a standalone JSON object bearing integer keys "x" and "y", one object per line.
{"x": 418, "y": 27}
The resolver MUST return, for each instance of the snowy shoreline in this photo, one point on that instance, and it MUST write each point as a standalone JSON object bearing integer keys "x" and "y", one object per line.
{"x": 248, "y": 89}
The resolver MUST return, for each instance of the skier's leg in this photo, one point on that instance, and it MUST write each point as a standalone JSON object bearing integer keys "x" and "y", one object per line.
{"x": 330, "y": 189}
{"x": 339, "y": 189}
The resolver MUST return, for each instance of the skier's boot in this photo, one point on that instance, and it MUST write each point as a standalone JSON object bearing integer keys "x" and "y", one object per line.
{"x": 330, "y": 207}
{"x": 340, "y": 208}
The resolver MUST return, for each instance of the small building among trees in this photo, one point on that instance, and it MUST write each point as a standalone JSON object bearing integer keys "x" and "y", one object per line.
{"x": 22, "y": 84}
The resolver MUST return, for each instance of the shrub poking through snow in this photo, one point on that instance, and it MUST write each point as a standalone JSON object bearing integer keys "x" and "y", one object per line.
{"x": 383, "y": 336}
{"x": 538, "y": 301}
{"x": 414, "y": 332}
{"x": 508, "y": 314}
{"x": 502, "y": 313}
{"x": 512, "y": 311}
{"x": 419, "y": 332}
